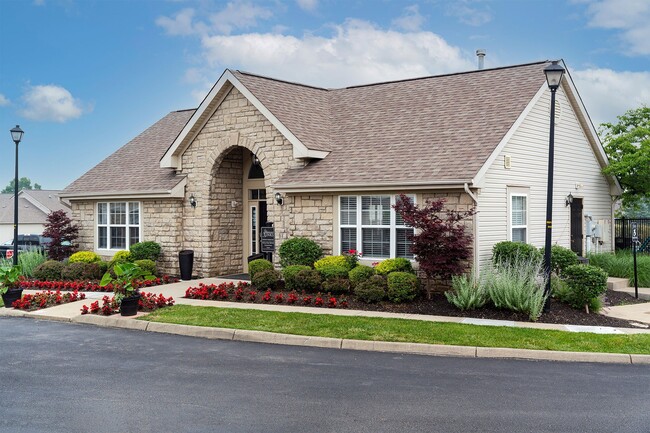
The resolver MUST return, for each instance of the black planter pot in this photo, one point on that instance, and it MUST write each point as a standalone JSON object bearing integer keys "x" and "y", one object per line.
{"x": 10, "y": 296}
{"x": 129, "y": 306}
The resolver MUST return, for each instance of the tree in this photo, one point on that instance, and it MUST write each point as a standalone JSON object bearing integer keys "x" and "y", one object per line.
{"x": 627, "y": 144}
{"x": 23, "y": 183}
{"x": 441, "y": 244}
{"x": 63, "y": 234}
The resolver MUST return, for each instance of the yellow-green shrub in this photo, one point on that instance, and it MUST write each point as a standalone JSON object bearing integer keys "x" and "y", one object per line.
{"x": 84, "y": 257}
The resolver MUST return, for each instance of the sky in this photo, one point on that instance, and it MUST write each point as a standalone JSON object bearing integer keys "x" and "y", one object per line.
{"x": 83, "y": 77}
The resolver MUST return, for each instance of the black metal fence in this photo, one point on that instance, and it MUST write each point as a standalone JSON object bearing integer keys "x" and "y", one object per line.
{"x": 623, "y": 233}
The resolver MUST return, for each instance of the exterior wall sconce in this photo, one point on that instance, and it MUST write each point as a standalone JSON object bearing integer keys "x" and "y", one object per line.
{"x": 279, "y": 199}
{"x": 256, "y": 160}
{"x": 192, "y": 200}
{"x": 569, "y": 200}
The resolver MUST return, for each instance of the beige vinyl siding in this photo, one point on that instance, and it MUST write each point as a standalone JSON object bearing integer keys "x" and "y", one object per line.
{"x": 575, "y": 163}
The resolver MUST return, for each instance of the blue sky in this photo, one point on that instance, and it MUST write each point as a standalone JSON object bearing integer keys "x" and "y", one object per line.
{"x": 83, "y": 77}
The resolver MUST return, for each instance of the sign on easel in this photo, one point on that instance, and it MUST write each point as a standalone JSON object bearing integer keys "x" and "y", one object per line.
{"x": 267, "y": 239}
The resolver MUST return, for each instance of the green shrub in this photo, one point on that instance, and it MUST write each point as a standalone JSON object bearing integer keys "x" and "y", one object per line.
{"x": 372, "y": 290}
{"x": 328, "y": 261}
{"x": 29, "y": 261}
{"x": 402, "y": 286}
{"x": 148, "y": 250}
{"x": 265, "y": 279}
{"x": 258, "y": 265}
{"x": 398, "y": 264}
{"x": 585, "y": 283}
{"x": 308, "y": 280}
{"x": 103, "y": 267}
{"x": 299, "y": 251}
{"x": 122, "y": 256}
{"x": 621, "y": 265}
{"x": 561, "y": 258}
{"x": 81, "y": 271}
{"x": 49, "y": 271}
{"x": 333, "y": 271}
{"x": 508, "y": 252}
{"x": 149, "y": 266}
{"x": 359, "y": 274}
{"x": 468, "y": 293}
{"x": 336, "y": 286}
{"x": 84, "y": 257}
{"x": 518, "y": 287}
{"x": 289, "y": 274}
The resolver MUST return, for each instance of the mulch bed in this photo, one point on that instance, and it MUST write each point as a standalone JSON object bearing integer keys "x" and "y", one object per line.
{"x": 559, "y": 313}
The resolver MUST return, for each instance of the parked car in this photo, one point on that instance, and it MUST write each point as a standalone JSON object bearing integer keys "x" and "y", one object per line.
{"x": 25, "y": 243}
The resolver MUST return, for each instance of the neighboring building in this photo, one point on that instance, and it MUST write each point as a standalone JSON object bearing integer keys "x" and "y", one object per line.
{"x": 338, "y": 157}
{"x": 33, "y": 208}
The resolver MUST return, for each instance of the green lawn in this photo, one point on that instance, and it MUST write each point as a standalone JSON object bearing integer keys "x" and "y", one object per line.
{"x": 402, "y": 330}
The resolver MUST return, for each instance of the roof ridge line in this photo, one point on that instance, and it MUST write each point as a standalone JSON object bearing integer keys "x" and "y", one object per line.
{"x": 283, "y": 81}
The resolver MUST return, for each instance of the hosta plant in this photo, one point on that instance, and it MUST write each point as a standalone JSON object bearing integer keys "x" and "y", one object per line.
{"x": 125, "y": 281}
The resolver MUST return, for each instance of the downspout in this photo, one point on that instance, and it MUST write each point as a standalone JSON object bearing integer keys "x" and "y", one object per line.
{"x": 475, "y": 228}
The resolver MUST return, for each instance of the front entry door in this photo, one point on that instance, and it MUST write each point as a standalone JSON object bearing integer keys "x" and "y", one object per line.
{"x": 576, "y": 226}
{"x": 257, "y": 218}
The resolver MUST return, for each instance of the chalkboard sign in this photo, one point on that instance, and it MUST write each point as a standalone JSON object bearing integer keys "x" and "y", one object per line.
{"x": 267, "y": 239}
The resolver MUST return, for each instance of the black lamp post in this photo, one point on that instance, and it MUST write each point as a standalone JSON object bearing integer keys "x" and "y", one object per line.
{"x": 554, "y": 73}
{"x": 16, "y": 136}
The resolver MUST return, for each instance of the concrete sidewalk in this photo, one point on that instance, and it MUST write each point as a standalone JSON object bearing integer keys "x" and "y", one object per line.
{"x": 71, "y": 312}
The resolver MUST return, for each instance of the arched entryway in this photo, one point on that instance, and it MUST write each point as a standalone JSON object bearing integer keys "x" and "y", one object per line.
{"x": 238, "y": 208}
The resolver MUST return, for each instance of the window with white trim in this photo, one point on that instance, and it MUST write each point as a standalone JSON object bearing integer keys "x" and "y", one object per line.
{"x": 118, "y": 225}
{"x": 370, "y": 225}
{"x": 518, "y": 217}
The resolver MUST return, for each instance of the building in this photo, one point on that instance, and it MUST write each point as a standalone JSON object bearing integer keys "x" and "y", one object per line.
{"x": 327, "y": 163}
{"x": 33, "y": 208}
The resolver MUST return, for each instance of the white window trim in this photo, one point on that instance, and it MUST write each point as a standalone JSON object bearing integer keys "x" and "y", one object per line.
{"x": 359, "y": 227}
{"x": 511, "y": 226}
{"x": 108, "y": 224}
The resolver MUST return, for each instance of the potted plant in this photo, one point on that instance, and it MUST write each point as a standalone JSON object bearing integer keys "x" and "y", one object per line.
{"x": 9, "y": 284}
{"x": 124, "y": 283}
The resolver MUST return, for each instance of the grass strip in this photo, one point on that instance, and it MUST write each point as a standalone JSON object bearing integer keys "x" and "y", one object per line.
{"x": 400, "y": 330}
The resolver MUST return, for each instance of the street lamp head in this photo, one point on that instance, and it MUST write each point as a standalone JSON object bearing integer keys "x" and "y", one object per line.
{"x": 17, "y": 134}
{"x": 554, "y": 73}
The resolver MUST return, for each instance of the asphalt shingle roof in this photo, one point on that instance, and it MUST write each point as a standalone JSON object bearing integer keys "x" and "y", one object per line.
{"x": 135, "y": 167}
{"x": 27, "y": 211}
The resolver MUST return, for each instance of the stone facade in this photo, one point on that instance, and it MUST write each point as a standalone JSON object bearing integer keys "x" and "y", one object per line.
{"x": 310, "y": 216}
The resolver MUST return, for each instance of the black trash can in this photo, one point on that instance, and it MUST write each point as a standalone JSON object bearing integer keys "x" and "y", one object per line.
{"x": 186, "y": 262}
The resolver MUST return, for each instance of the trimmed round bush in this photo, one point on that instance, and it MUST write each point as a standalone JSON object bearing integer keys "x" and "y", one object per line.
{"x": 122, "y": 256}
{"x": 103, "y": 267}
{"x": 402, "y": 287}
{"x": 258, "y": 265}
{"x": 149, "y": 266}
{"x": 81, "y": 271}
{"x": 360, "y": 273}
{"x": 333, "y": 271}
{"x": 336, "y": 286}
{"x": 372, "y": 290}
{"x": 308, "y": 280}
{"x": 49, "y": 271}
{"x": 329, "y": 261}
{"x": 299, "y": 251}
{"x": 585, "y": 284}
{"x": 84, "y": 257}
{"x": 266, "y": 279}
{"x": 398, "y": 264}
{"x": 510, "y": 252}
{"x": 561, "y": 258}
{"x": 289, "y": 274}
{"x": 148, "y": 250}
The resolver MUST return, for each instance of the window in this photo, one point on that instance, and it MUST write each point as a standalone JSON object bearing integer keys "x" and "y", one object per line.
{"x": 518, "y": 217}
{"x": 369, "y": 225}
{"x": 118, "y": 225}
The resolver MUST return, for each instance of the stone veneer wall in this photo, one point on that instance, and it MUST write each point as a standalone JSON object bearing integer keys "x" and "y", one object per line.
{"x": 310, "y": 216}
{"x": 214, "y": 228}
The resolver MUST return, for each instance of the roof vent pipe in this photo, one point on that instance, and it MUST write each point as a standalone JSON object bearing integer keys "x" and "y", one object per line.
{"x": 480, "y": 53}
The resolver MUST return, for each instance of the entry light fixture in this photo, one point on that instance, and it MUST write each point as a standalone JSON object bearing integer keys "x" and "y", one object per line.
{"x": 279, "y": 199}
{"x": 256, "y": 160}
{"x": 569, "y": 200}
{"x": 192, "y": 200}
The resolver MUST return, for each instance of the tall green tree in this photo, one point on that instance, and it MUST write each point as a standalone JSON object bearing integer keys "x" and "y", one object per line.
{"x": 23, "y": 183}
{"x": 627, "y": 144}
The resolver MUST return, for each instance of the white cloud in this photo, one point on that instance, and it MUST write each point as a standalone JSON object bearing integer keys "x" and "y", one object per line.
{"x": 631, "y": 17}
{"x": 411, "y": 20}
{"x": 607, "y": 93}
{"x": 468, "y": 13}
{"x": 357, "y": 52}
{"x": 307, "y": 5}
{"x": 50, "y": 102}
{"x": 3, "y": 100}
{"x": 181, "y": 24}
